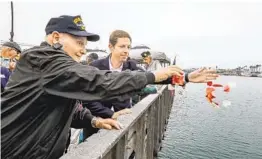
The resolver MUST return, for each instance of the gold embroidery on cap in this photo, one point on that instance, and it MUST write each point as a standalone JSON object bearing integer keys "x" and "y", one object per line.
{"x": 78, "y": 21}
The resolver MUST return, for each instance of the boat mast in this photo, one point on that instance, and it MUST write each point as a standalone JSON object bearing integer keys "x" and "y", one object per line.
{"x": 174, "y": 62}
{"x": 12, "y": 22}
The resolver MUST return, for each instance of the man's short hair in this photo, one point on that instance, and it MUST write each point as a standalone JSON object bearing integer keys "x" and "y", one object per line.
{"x": 118, "y": 34}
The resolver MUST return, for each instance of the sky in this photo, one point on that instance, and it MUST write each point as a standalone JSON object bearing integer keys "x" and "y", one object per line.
{"x": 223, "y": 33}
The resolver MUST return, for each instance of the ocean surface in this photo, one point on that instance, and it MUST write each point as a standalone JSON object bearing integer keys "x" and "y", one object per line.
{"x": 198, "y": 130}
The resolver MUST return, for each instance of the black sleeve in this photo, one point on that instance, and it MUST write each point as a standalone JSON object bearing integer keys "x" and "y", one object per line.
{"x": 82, "y": 118}
{"x": 67, "y": 78}
{"x": 168, "y": 81}
{"x": 98, "y": 109}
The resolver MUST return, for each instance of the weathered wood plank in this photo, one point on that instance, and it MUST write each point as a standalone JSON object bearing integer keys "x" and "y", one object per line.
{"x": 156, "y": 127}
{"x": 120, "y": 148}
{"x": 164, "y": 110}
{"x": 140, "y": 135}
{"x": 131, "y": 144}
{"x": 150, "y": 133}
{"x": 109, "y": 155}
{"x": 157, "y": 139}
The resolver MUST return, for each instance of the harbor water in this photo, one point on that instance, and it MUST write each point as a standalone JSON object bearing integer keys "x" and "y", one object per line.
{"x": 198, "y": 130}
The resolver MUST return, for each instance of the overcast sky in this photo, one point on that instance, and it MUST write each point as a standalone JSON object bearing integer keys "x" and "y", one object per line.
{"x": 203, "y": 33}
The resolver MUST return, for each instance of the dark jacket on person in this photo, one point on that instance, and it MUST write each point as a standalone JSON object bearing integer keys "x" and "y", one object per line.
{"x": 81, "y": 119}
{"x": 40, "y": 99}
{"x": 5, "y": 73}
{"x": 103, "y": 109}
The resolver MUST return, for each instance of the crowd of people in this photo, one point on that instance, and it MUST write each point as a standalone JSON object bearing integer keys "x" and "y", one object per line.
{"x": 50, "y": 90}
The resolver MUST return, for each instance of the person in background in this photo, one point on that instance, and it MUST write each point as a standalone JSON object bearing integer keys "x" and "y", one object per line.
{"x": 91, "y": 57}
{"x": 10, "y": 54}
{"x": 150, "y": 64}
{"x": 134, "y": 62}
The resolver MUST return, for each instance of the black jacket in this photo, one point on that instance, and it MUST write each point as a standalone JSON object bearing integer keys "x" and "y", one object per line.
{"x": 38, "y": 104}
{"x": 103, "y": 109}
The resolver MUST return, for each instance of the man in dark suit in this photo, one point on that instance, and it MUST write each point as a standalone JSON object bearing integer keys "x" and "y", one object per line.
{"x": 119, "y": 45}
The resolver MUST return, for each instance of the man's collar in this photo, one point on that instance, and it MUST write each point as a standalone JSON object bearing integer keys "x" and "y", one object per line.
{"x": 111, "y": 66}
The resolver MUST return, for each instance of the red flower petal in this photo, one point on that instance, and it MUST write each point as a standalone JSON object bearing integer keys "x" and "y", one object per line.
{"x": 209, "y": 83}
{"x": 226, "y": 88}
{"x": 217, "y": 85}
{"x": 178, "y": 80}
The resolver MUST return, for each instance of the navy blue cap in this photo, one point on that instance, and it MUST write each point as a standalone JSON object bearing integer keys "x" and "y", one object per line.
{"x": 13, "y": 45}
{"x": 70, "y": 24}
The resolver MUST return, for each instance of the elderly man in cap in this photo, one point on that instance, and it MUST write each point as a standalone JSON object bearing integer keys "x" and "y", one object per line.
{"x": 151, "y": 65}
{"x": 10, "y": 53}
{"x": 49, "y": 84}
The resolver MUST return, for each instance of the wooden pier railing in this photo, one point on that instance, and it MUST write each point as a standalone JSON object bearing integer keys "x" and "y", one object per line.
{"x": 141, "y": 136}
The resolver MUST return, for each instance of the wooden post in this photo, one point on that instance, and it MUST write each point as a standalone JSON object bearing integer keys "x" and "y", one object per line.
{"x": 150, "y": 132}
{"x": 120, "y": 148}
{"x": 140, "y": 138}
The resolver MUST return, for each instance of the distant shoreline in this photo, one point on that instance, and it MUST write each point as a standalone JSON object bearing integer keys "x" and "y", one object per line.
{"x": 240, "y": 76}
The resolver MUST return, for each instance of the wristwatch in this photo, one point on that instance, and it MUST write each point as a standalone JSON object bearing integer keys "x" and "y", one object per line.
{"x": 186, "y": 78}
{"x": 93, "y": 122}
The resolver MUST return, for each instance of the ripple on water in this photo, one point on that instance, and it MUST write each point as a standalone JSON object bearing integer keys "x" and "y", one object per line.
{"x": 197, "y": 130}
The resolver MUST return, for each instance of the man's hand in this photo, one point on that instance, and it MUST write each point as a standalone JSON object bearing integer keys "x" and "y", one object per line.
{"x": 12, "y": 65}
{"x": 107, "y": 124}
{"x": 165, "y": 73}
{"x": 121, "y": 112}
{"x": 202, "y": 75}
